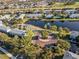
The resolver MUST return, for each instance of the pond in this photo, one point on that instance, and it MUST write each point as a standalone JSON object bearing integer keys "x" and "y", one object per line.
{"x": 71, "y": 25}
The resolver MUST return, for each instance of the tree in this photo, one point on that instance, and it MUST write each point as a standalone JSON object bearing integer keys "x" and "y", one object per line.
{"x": 47, "y": 26}
{"x": 45, "y": 54}
{"x": 16, "y": 43}
{"x": 64, "y": 15}
{"x": 44, "y": 34}
{"x": 4, "y": 37}
{"x": 24, "y": 47}
{"x": 63, "y": 32}
{"x": 60, "y": 47}
{"x": 29, "y": 49}
{"x": 58, "y": 51}
{"x": 5, "y": 22}
{"x": 66, "y": 30}
{"x": 54, "y": 28}
{"x": 63, "y": 44}
{"x": 19, "y": 21}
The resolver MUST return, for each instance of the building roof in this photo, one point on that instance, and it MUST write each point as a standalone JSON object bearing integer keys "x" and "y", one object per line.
{"x": 17, "y": 32}
{"x": 12, "y": 31}
{"x": 3, "y": 29}
{"x": 74, "y": 15}
{"x": 49, "y": 16}
{"x": 1, "y": 23}
{"x": 5, "y": 16}
{"x": 33, "y": 15}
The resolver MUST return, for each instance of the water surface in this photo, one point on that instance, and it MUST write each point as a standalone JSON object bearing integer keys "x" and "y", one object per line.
{"x": 70, "y": 25}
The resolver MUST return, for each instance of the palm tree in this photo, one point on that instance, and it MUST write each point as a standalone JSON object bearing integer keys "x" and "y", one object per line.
{"x": 45, "y": 54}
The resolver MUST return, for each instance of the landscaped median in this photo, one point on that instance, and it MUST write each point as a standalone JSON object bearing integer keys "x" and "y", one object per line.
{"x": 60, "y": 20}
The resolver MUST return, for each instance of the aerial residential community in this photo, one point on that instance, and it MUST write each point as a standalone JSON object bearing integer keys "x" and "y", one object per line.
{"x": 39, "y": 29}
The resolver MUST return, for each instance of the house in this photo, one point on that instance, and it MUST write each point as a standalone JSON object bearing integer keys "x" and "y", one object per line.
{"x": 25, "y": 26}
{"x": 47, "y": 11}
{"x": 22, "y": 0}
{"x": 33, "y": 15}
{"x": 74, "y": 16}
{"x": 1, "y": 24}
{"x": 59, "y": 11}
{"x": 16, "y": 32}
{"x": 70, "y": 11}
{"x": 7, "y": 16}
{"x": 37, "y": 12}
{"x": 12, "y": 32}
{"x": 48, "y": 15}
{"x": 2, "y": 6}
{"x": 77, "y": 51}
{"x": 4, "y": 29}
{"x": 42, "y": 3}
{"x": 21, "y": 16}
{"x": 70, "y": 55}
{"x": 64, "y": 1}
{"x": 74, "y": 34}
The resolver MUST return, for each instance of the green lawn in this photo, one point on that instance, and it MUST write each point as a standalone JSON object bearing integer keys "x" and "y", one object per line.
{"x": 3, "y": 56}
